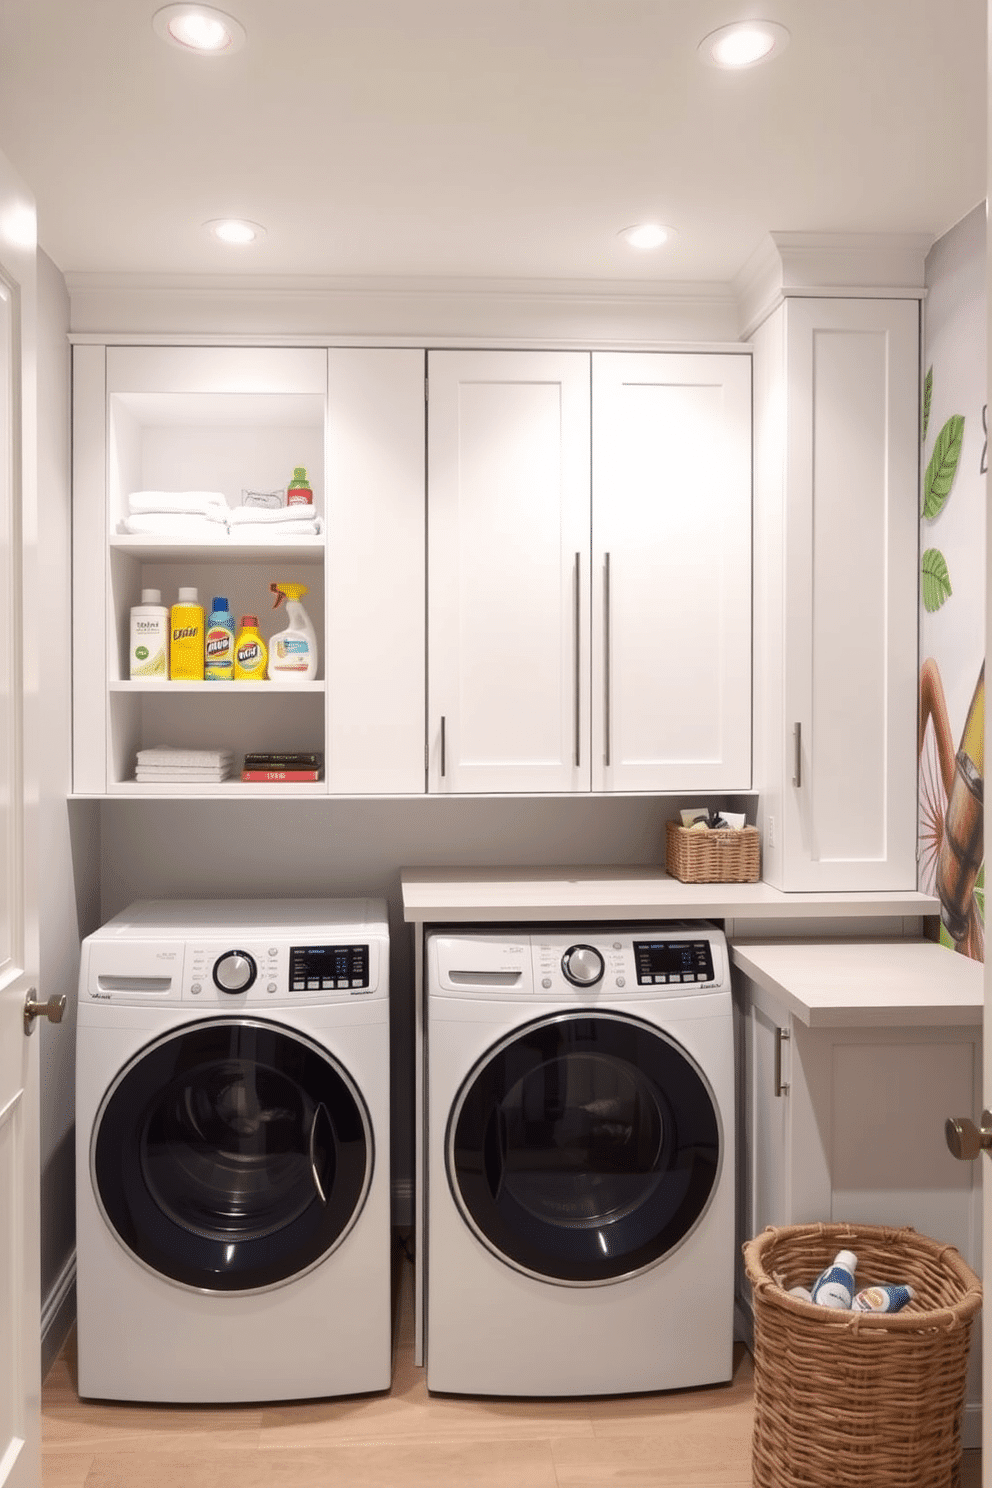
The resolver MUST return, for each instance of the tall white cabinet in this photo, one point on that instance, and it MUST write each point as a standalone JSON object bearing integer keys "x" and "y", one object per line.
{"x": 589, "y": 522}
{"x": 836, "y": 534}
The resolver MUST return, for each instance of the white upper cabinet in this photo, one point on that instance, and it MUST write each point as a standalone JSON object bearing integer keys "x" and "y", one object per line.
{"x": 508, "y": 571}
{"x": 229, "y": 420}
{"x": 836, "y": 533}
{"x": 589, "y": 622}
{"x": 671, "y": 639}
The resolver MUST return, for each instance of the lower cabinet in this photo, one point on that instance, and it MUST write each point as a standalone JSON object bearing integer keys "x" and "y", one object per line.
{"x": 846, "y": 1124}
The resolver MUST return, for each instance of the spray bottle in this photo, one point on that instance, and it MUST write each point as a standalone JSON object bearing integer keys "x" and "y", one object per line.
{"x": 293, "y": 651}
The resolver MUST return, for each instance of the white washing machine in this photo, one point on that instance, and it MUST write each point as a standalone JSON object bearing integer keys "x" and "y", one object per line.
{"x": 580, "y": 1160}
{"x": 232, "y": 1151}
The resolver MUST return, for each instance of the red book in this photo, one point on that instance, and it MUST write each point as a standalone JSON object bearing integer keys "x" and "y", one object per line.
{"x": 281, "y": 774}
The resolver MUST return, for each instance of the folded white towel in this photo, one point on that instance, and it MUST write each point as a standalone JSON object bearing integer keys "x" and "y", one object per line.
{"x": 172, "y": 755}
{"x": 176, "y": 501}
{"x": 175, "y": 524}
{"x": 270, "y": 514}
{"x": 272, "y": 530}
{"x": 173, "y": 777}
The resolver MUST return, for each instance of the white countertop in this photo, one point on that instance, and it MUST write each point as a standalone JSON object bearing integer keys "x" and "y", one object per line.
{"x": 879, "y": 984}
{"x": 557, "y": 893}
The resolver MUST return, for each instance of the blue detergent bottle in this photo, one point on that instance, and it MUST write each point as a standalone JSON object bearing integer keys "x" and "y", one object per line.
{"x": 219, "y": 643}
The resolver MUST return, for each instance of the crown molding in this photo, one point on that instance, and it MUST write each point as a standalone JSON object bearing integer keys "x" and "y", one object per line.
{"x": 402, "y": 311}
{"x": 851, "y": 265}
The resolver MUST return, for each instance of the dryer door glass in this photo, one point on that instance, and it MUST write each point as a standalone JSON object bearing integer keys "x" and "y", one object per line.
{"x": 584, "y": 1148}
{"x": 232, "y": 1155}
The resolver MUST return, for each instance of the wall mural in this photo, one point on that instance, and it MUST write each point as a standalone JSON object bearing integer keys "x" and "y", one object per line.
{"x": 952, "y": 844}
{"x": 954, "y": 459}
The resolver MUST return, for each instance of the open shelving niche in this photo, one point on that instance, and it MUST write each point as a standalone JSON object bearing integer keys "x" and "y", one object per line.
{"x": 218, "y": 441}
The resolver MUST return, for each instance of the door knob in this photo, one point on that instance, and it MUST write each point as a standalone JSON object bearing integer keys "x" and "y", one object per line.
{"x": 965, "y": 1139}
{"x": 52, "y": 1010}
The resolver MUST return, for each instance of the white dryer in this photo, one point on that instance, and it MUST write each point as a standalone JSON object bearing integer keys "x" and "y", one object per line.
{"x": 232, "y": 1151}
{"x": 580, "y": 1168}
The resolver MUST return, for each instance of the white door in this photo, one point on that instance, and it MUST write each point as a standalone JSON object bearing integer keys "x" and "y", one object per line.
{"x": 508, "y": 571}
{"x": 671, "y": 521}
{"x": 20, "y": 1309}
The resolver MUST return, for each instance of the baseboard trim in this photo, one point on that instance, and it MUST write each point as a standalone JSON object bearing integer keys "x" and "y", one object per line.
{"x": 58, "y": 1313}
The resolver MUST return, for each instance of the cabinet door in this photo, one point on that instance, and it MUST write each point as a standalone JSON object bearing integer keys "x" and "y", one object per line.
{"x": 508, "y": 542}
{"x": 850, "y": 615}
{"x": 671, "y": 646}
{"x": 375, "y": 588}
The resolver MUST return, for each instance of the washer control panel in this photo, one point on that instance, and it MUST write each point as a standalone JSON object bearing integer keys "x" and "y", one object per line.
{"x": 279, "y": 971}
{"x": 580, "y": 962}
{"x": 668, "y": 962}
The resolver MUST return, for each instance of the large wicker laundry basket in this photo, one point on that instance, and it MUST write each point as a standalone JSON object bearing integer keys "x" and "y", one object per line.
{"x": 859, "y": 1400}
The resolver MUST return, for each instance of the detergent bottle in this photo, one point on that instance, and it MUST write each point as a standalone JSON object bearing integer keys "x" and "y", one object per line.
{"x": 219, "y": 648}
{"x": 293, "y": 651}
{"x": 186, "y": 638}
{"x": 249, "y": 652}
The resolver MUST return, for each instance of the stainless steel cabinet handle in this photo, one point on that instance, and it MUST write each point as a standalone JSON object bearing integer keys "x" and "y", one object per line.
{"x": 965, "y": 1139}
{"x": 781, "y": 1086}
{"x": 797, "y": 745}
{"x": 52, "y": 1009}
{"x": 607, "y": 721}
{"x": 577, "y": 645}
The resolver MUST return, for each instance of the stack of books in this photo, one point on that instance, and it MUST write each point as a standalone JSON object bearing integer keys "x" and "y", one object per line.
{"x": 266, "y": 767}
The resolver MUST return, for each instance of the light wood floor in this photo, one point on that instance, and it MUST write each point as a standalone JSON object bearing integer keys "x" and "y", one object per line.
{"x": 406, "y": 1438}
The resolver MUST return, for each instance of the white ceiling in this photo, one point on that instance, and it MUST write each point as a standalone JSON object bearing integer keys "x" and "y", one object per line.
{"x": 488, "y": 139}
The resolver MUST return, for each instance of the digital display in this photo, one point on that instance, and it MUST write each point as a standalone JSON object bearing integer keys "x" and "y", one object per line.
{"x": 322, "y": 968}
{"x": 666, "y": 961}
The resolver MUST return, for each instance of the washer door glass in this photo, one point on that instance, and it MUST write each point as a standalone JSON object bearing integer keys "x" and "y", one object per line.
{"x": 584, "y": 1148}
{"x": 232, "y": 1155}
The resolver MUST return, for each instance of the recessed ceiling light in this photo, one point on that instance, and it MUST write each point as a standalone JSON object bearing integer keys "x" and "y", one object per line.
{"x": 646, "y": 235}
{"x": 743, "y": 44}
{"x": 199, "y": 28}
{"x": 234, "y": 230}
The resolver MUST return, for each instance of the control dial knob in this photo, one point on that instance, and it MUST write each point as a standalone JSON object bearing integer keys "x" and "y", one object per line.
{"x": 235, "y": 971}
{"x": 583, "y": 965}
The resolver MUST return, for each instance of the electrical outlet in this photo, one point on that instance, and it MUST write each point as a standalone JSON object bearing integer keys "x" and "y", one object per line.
{"x": 771, "y": 831}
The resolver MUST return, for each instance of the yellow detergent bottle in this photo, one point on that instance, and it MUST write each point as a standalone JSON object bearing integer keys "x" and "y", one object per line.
{"x": 249, "y": 652}
{"x": 293, "y": 651}
{"x": 186, "y": 638}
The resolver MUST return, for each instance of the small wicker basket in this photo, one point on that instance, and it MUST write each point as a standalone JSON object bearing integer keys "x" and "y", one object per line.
{"x": 714, "y": 856}
{"x": 859, "y": 1400}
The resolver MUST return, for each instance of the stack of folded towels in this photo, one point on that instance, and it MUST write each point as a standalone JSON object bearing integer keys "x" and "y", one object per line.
{"x": 190, "y": 514}
{"x": 250, "y": 523}
{"x": 206, "y": 515}
{"x": 165, "y": 765}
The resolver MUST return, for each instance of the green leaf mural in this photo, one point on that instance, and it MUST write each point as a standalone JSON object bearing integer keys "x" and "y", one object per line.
{"x": 943, "y": 466}
{"x": 980, "y": 893}
{"x": 927, "y": 395}
{"x": 935, "y": 581}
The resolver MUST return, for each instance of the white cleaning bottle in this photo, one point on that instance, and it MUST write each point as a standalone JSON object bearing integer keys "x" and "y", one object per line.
{"x": 149, "y": 636}
{"x": 293, "y": 651}
{"x": 834, "y": 1287}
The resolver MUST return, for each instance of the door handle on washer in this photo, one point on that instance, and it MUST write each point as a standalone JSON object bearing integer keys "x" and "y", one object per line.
{"x": 313, "y": 1145}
